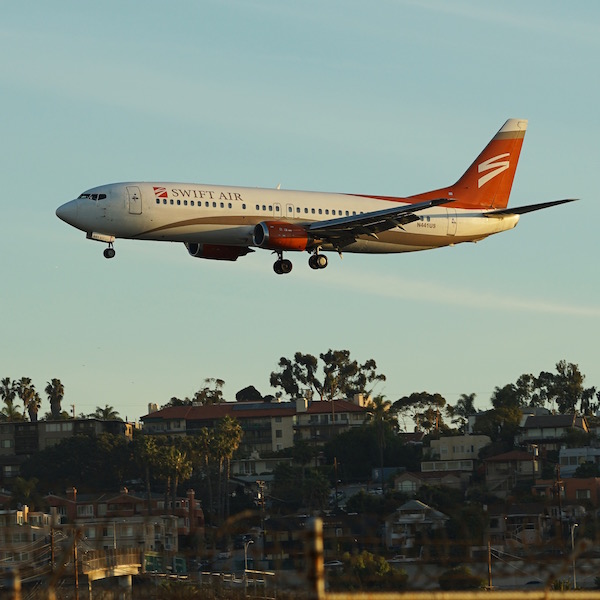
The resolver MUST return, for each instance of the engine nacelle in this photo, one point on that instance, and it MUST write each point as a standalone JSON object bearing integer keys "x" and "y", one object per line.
{"x": 279, "y": 235}
{"x": 216, "y": 252}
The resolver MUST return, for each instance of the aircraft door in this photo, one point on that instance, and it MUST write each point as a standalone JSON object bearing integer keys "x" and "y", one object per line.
{"x": 135, "y": 200}
{"x": 452, "y": 221}
{"x": 289, "y": 211}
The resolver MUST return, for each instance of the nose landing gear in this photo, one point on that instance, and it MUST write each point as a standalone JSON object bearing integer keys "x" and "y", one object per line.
{"x": 110, "y": 251}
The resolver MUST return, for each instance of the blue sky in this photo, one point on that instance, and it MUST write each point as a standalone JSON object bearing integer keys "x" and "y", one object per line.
{"x": 388, "y": 97}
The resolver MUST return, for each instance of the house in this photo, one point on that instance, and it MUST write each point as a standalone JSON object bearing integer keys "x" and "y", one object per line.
{"x": 570, "y": 490}
{"x": 125, "y": 520}
{"x": 410, "y": 483}
{"x": 23, "y": 540}
{"x": 504, "y": 471}
{"x": 547, "y": 432}
{"x": 320, "y": 421}
{"x": 408, "y": 523}
{"x": 457, "y": 454}
{"x": 21, "y": 439}
{"x": 571, "y": 458}
{"x": 518, "y": 526}
{"x": 267, "y": 426}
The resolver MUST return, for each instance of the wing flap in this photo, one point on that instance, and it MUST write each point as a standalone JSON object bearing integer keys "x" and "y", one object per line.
{"x": 371, "y": 223}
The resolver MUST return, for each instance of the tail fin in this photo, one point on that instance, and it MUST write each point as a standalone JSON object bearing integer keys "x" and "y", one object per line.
{"x": 486, "y": 184}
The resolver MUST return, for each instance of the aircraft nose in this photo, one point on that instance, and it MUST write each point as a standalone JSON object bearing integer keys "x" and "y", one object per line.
{"x": 67, "y": 212}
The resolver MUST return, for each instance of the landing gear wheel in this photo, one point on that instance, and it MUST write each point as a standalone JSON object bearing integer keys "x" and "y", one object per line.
{"x": 109, "y": 252}
{"x": 317, "y": 261}
{"x": 282, "y": 266}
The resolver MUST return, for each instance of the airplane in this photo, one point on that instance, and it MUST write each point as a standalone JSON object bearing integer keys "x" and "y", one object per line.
{"x": 226, "y": 222}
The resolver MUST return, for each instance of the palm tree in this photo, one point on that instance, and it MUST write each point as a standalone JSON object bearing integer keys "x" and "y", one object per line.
{"x": 108, "y": 413}
{"x": 228, "y": 437}
{"x": 30, "y": 398}
{"x": 203, "y": 450}
{"x": 56, "y": 392}
{"x": 145, "y": 451}
{"x": 181, "y": 470}
{"x": 8, "y": 393}
{"x": 383, "y": 418}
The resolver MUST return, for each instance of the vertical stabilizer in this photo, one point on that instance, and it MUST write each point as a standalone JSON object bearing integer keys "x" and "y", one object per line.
{"x": 486, "y": 184}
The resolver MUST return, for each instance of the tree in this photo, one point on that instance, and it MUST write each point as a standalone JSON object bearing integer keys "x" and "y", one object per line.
{"x": 211, "y": 393}
{"x": 108, "y": 413}
{"x": 383, "y": 418}
{"x": 228, "y": 436}
{"x": 56, "y": 392}
{"x": 8, "y": 393}
{"x": 180, "y": 469}
{"x": 424, "y": 409}
{"x": 341, "y": 377}
{"x": 565, "y": 388}
{"x": 201, "y": 448}
{"x": 145, "y": 452}
{"x": 460, "y": 413}
{"x": 30, "y": 398}
{"x": 24, "y": 491}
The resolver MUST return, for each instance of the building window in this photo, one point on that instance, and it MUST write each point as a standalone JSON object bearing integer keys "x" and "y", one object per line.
{"x": 278, "y": 433}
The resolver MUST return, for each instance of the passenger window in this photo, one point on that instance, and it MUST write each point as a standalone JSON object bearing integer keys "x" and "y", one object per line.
{"x": 178, "y": 202}
{"x": 306, "y": 211}
{"x": 229, "y": 205}
{"x": 326, "y": 211}
{"x": 270, "y": 208}
{"x": 214, "y": 205}
{"x": 312, "y": 210}
{"x": 185, "y": 202}
{"x": 264, "y": 207}
{"x": 276, "y": 208}
{"x": 347, "y": 213}
{"x": 222, "y": 205}
{"x": 165, "y": 201}
{"x": 158, "y": 201}
{"x": 243, "y": 207}
{"x": 171, "y": 202}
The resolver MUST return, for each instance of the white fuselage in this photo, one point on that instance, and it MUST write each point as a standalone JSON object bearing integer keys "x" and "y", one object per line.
{"x": 227, "y": 215}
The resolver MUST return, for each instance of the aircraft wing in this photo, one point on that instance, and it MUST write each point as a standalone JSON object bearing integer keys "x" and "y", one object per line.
{"x": 521, "y": 210}
{"x": 346, "y": 229}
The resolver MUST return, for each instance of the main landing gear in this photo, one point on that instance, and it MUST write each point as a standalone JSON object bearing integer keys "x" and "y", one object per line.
{"x": 110, "y": 251}
{"x": 317, "y": 261}
{"x": 282, "y": 265}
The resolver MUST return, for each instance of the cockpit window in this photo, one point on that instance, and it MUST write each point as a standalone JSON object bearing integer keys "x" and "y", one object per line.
{"x": 93, "y": 196}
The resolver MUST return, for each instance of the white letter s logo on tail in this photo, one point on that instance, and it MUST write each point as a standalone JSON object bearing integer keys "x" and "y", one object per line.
{"x": 488, "y": 164}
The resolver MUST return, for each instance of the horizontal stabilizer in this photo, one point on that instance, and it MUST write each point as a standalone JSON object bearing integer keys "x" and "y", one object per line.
{"x": 521, "y": 210}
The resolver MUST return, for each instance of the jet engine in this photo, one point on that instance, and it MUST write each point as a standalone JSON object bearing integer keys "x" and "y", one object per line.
{"x": 279, "y": 235}
{"x": 217, "y": 252}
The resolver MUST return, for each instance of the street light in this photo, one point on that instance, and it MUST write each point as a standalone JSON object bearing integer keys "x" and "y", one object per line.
{"x": 246, "y": 544}
{"x": 573, "y": 553}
